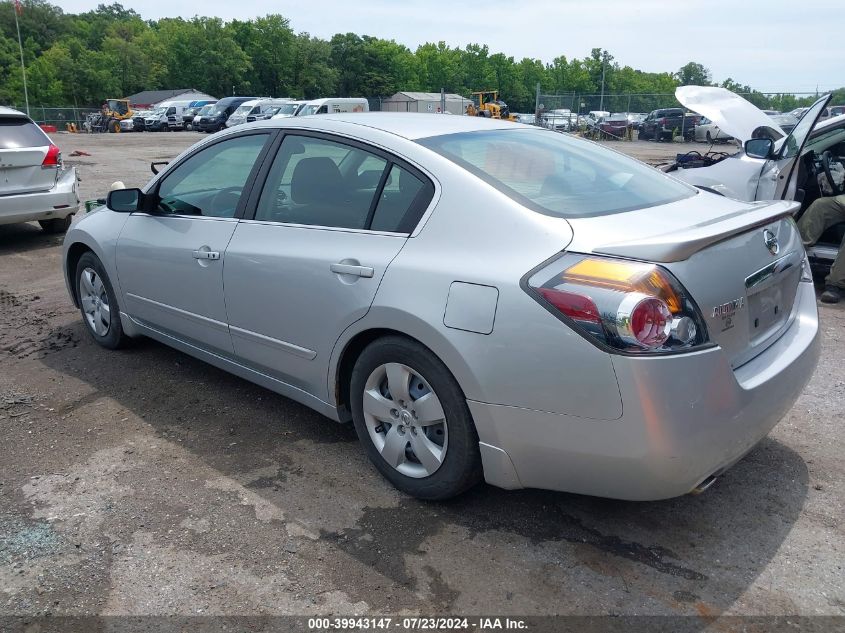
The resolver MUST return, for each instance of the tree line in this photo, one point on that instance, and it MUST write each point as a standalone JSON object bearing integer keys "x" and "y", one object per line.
{"x": 82, "y": 59}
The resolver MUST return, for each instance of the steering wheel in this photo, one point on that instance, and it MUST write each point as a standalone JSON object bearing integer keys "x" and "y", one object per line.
{"x": 827, "y": 157}
{"x": 223, "y": 201}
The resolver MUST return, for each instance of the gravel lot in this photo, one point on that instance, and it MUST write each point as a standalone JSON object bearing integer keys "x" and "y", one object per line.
{"x": 146, "y": 482}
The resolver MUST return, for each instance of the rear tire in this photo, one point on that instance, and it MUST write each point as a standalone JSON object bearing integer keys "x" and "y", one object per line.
{"x": 445, "y": 430}
{"x": 98, "y": 303}
{"x": 56, "y": 225}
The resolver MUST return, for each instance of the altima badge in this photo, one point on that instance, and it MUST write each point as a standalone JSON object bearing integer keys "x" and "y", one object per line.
{"x": 771, "y": 242}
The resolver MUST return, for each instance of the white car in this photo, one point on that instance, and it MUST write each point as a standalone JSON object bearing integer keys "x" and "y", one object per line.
{"x": 707, "y": 131}
{"x": 34, "y": 183}
{"x": 773, "y": 165}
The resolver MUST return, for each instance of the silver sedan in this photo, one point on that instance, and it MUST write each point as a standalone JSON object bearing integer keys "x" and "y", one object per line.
{"x": 482, "y": 299}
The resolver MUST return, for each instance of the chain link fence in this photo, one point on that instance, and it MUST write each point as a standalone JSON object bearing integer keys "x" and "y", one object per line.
{"x": 58, "y": 117}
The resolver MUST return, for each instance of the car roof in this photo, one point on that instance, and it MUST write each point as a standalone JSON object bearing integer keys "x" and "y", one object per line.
{"x": 11, "y": 112}
{"x": 409, "y": 125}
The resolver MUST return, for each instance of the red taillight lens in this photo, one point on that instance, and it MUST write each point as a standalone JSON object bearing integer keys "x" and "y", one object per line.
{"x": 572, "y": 305}
{"x": 644, "y": 321}
{"x": 629, "y": 306}
{"x": 53, "y": 157}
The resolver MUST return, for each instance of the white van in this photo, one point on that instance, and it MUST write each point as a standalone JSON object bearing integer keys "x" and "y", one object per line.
{"x": 250, "y": 108}
{"x": 167, "y": 115}
{"x": 289, "y": 109}
{"x": 334, "y": 104}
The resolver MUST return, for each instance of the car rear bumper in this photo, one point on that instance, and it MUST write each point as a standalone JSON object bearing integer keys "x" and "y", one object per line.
{"x": 686, "y": 418}
{"x": 59, "y": 202}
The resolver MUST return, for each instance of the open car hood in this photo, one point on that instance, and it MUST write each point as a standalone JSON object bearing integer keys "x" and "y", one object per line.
{"x": 730, "y": 112}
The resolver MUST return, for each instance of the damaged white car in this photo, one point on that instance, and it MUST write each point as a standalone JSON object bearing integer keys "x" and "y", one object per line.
{"x": 804, "y": 165}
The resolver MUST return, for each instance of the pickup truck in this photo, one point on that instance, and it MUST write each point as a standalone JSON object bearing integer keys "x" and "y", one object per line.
{"x": 664, "y": 123}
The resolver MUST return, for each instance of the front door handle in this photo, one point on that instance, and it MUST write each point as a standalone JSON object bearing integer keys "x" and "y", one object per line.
{"x": 201, "y": 254}
{"x": 351, "y": 269}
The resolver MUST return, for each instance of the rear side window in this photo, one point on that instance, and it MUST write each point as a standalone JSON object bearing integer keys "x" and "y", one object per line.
{"x": 19, "y": 132}
{"x": 320, "y": 182}
{"x": 558, "y": 175}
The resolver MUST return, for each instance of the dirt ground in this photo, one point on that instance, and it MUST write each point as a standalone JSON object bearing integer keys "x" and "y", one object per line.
{"x": 145, "y": 482}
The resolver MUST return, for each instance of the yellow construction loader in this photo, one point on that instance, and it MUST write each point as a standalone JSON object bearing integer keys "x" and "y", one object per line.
{"x": 112, "y": 113}
{"x": 487, "y": 104}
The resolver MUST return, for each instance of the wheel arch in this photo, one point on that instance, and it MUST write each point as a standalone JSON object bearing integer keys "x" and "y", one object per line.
{"x": 74, "y": 253}
{"x": 375, "y": 326}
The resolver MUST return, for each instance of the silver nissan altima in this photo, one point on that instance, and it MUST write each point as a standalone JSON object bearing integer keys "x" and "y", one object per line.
{"x": 482, "y": 299}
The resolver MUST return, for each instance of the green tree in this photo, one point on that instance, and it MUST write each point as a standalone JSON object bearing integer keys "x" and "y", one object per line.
{"x": 693, "y": 74}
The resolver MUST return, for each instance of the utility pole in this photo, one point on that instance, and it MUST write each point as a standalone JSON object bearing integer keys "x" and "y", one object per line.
{"x": 601, "y": 101}
{"x": 537, "y": 105}
{"x": 17, "y": 9}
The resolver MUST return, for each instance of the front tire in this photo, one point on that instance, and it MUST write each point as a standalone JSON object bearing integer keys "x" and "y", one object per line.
{"x": 413, "y": 420}
{"x": 98, "y": 303}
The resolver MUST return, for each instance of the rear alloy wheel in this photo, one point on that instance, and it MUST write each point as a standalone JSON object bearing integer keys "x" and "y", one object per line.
{"x": 98, "y": 304}
{"x": 56, "y": 225}
{"x": 413, "y": 420}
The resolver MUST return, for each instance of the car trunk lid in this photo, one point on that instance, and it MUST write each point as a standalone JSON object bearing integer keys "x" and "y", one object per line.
{"x": 740, "y": 262}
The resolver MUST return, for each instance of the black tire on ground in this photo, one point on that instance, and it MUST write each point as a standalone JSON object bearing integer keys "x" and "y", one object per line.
{"x": 114, "y": 127}
{"x": 461, "y": 467}
{"x": 114, "y": 337}
{"x": 709, "y": 137}
{"x": 56, "y": 225}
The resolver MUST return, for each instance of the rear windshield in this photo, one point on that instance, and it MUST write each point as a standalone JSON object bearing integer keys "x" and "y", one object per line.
{"x": 557, "y": 174}
{"x": 18, "y": 132}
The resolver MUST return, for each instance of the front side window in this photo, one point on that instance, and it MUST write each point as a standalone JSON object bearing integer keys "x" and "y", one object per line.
{"x": 556, "y": 174}
{"x": 210, "y": 182}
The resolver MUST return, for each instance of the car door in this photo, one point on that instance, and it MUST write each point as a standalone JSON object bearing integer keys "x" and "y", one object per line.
{"x": 330, "y": 217}
{"x": 170, "y": 260}
{"x": 778, "y": 176}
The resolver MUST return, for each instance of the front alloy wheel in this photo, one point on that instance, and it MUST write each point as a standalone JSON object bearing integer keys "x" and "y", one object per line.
{"x": 95, "y": 301}
{"x": 405, "y": 420}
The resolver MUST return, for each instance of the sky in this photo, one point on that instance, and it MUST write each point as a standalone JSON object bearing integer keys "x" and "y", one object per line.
{"x": 771, "y": 45}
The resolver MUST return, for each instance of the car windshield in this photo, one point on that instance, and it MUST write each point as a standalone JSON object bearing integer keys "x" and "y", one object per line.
{"x": 243, "y": 110}
{"x": 308, "y": 109}
{"x": 18, "y": 132}
{"x": 206, "y": 109}
{"x": 556, "y": 174}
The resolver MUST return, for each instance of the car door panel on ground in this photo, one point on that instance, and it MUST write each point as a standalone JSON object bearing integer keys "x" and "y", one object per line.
{"x": 330, "y": 219}
{"x": 170, "y": 261}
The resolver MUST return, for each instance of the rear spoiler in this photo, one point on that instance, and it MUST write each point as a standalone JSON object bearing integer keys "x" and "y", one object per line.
{"x": 680, "y": 245}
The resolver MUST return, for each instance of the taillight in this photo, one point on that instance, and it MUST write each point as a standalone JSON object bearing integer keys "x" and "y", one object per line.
{"x": 53, "y": 157}
{"x": 631, "y": 307}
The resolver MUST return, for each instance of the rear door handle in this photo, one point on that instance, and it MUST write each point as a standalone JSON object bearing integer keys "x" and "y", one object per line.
{"x": 350, "y": 269}
{"x": 206, "y": 254}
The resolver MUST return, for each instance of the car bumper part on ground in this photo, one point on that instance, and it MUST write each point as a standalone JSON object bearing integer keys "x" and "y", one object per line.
{"x": 686, "y": 418}
{"x": 58, "y": 202}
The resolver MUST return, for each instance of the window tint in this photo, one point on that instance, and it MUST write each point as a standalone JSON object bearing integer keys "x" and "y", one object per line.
{"x": 402, "y": 202}
{"x": 557, "y": 174}
{"x": 211, "y": 181}
{"x": 318, "y": 182}
{"x": 19, "y": 132}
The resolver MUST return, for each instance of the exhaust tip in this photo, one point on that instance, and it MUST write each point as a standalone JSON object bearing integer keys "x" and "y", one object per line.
{"x": 704, "y": 485}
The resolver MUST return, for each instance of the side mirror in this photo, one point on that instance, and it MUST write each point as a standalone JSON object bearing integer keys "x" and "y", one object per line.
{"x": 759, "y": 147}
{"x": 125, "y": 200}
